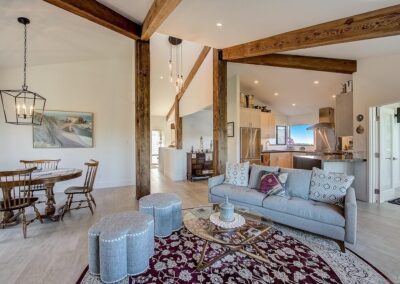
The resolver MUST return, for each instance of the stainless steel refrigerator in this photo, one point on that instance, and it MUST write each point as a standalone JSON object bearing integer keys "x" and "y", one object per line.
{"x": 250, "y": 145}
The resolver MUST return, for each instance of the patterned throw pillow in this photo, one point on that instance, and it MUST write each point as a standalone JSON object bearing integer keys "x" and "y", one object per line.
{"x": 329, "y": 187}
{"x": 237, "y": 173}
{"x": 273, "y": 183}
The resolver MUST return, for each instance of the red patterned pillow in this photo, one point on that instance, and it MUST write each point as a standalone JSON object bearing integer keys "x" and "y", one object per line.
{"x": 273, "y": 183}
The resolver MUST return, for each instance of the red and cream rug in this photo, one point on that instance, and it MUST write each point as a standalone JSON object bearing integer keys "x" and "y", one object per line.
{"x": 295, "y": 257}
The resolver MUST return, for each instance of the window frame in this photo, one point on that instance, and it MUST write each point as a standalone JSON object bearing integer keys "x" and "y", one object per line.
{"x": 300, "y": 144}
{"x": 277, "y": 137}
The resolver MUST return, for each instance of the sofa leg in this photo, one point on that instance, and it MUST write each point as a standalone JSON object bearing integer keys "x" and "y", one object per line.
{"x": 342, "y": 246}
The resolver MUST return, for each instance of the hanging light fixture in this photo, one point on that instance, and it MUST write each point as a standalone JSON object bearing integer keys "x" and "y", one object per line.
{"x": 23, "y": 107}
{"x": 177, "y": 78}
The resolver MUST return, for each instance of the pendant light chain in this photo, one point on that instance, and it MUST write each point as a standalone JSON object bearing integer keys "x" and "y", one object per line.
{"x": 25, "y": 87}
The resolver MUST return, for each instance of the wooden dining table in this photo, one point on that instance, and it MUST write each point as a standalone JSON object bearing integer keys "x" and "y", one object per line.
{"x": 48, "y": 178}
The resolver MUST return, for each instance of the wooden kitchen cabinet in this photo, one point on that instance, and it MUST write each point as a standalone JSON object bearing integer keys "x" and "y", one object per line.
{"x": 268, "y": 125}
{"x": 281, "y": 159}
{"x": 250, "y": 117}
{"x": 344, "y": 115}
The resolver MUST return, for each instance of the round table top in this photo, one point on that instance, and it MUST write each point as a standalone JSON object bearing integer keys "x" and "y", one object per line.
{"x": 53, "y": 176}
{"x": 197, "y": 221}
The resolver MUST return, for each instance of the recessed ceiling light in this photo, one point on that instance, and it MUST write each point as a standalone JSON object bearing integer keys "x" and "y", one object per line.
{"x": 316, "y": 82}
{"x": 276, "y": 94}
{"x": 161, "y": 77}
{"x": 256, "y": 82}
{"x": 219, "y": 24}
{"x": 294, "y": 105}
{"x": 333, "y": 96}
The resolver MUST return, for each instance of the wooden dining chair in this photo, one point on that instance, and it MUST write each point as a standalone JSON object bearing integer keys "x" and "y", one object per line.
{"x": 40, "y": 165}
{"x": 85, "y": 190}
{"x": 17, "y": 196}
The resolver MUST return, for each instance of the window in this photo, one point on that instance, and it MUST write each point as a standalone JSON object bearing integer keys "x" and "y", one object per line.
{"x": 281, "y": 135}
{"x": 299, "y": 135}
{"x": 156, "y": 143}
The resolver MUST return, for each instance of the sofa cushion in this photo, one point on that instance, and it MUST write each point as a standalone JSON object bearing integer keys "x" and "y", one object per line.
{"x": 239, "y": 193}
{"x": 329, "y": 187}
{"x": 255, "y": 174}
{"x": 273, "y": 183}
{"x": 298, "y": 182}
{"x": 307, "y": 209}
{"x": 237, "y": 173}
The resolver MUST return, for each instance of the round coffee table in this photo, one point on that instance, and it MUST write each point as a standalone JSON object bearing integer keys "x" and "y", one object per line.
{"x": 197, "y": 221}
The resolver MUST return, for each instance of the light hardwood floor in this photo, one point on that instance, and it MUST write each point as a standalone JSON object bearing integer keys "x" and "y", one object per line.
{"x": 57, "y": 252}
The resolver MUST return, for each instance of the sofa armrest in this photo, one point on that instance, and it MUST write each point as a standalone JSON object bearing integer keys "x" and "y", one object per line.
{"x": 214, "y": 181}
{"x": 350, "y": 214}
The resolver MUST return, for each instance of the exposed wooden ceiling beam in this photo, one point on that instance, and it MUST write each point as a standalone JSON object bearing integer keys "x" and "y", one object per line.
{"x": 100, "y": 14}
{"x": 159, "y": 11}
{"x": 193, "y": 71}
{"x": 379, "y": 23}
{"x": 302, "y": 62}
{"x": 189, "y": 78}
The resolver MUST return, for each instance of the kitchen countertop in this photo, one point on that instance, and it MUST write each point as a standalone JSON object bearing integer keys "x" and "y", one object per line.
{"x": 332, "y": 158}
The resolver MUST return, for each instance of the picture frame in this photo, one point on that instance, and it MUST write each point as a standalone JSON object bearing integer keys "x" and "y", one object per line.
{"x": 230, "y": 129}
{"x": 64, "y": 129}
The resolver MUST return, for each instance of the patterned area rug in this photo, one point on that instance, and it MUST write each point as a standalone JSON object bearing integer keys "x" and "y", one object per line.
{"x": 295, "y": 257}
{"x": 395, "y": 201}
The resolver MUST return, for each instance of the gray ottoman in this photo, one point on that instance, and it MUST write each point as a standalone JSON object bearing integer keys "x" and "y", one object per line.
{"x": 166, "y": 208}
{"x": 120, "y": 245}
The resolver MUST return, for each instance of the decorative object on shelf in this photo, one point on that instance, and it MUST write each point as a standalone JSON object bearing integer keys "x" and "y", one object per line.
{"x": 349, "y": 86}
{"x": 64, "y": 129}
{"x": 201, "y": 145}
{"x": 237, "y": 222}
{"x": 360, "y": 117}
{"x": 211, "y": 146}
{"x": 177, "y": 78}
{"x": 230, "y": 129}
{"x": 21, "y": 106}
{"x": 192, "y": 150}
{"x": 360, "y": 129}
{"x": 227, "y": 211}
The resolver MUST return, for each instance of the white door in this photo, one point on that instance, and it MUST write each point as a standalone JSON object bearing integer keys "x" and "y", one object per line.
{"x": 386, "y": 150}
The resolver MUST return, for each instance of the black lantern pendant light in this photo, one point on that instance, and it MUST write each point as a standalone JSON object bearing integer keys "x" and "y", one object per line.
{"x": 23, "y": 107}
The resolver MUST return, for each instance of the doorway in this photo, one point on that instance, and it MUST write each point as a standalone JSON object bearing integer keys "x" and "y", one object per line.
{"x": 156, "y": 143}
{"x": 385, "y": 148}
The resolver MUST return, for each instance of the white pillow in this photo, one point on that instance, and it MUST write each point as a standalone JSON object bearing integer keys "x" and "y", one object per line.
{"x": 237, "y": 173}
{"x": 329, "y": 187}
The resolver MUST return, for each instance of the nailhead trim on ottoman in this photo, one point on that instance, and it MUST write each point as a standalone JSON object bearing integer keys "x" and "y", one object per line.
{"x": 120, "y": 245}
{"x": 166, "y": 208}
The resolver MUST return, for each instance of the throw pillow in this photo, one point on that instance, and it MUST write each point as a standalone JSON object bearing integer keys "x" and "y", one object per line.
{"x": 256, "y": 173}
{"x": 329, "y": 187}
{"x": 273, "y": 183}
{"x": 237, "y": 173}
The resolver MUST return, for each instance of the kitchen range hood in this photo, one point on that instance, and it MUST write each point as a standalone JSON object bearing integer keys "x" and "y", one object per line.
{"x": 326, "y": 119}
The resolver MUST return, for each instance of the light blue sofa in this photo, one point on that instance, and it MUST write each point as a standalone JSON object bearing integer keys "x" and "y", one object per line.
{"x": 294, "y": 208}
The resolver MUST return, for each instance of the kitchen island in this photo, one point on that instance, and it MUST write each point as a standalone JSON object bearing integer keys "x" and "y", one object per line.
{"x": 356, "y": 167}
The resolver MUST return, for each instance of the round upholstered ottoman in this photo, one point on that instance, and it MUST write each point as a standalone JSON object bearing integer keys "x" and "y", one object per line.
{"x": 166, "y": 208}
{"x": 120, "y": 245}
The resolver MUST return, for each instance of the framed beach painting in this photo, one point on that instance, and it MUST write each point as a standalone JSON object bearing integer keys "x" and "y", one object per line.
{"x": 64, "y": 129}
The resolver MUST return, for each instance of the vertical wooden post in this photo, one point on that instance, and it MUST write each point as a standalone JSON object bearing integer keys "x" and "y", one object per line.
{"x": 219, "y": 112}
{"x": 178, "y": 125}
{"x": 142, "y": 121}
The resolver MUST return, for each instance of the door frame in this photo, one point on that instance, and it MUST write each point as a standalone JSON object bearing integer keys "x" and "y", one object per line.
{"x": 373, "y": 161}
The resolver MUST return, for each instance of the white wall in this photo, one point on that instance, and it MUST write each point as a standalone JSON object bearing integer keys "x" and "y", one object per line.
{"x": 376, "y": 83}
{"x": 308, "y": 118}
{"x": 104, "y": 87}
{"x": 194, "y": 126}
{"x": 199, "y": 94}
{"x": 233, "y": 115}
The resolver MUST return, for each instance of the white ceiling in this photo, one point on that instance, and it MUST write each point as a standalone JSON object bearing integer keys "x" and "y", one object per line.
{"x": 244, "y": 21}
{"x": 162, "y": 91}
{"x": 54, "y": 36}
{"x": 57, "y": 36}
{"x": 293, "y": 85}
